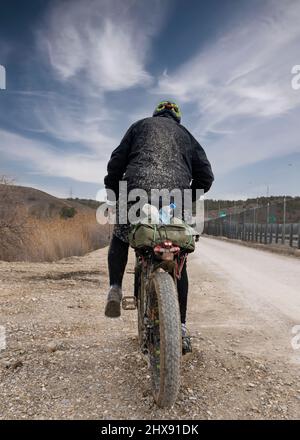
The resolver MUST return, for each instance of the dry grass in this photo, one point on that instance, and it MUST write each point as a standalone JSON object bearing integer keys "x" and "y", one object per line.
{"x": 38, "y": 233}
{"x": 60, "y": 238}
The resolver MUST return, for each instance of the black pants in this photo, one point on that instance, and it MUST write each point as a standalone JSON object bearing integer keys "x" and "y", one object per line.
{"x": 117, "y": 260}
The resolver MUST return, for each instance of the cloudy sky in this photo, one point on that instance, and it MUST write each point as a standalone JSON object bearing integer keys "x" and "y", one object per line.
{"x": 79, "y": 72}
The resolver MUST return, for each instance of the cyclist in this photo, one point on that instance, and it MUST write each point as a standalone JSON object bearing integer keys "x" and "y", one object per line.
{"x": 156, "y": 153}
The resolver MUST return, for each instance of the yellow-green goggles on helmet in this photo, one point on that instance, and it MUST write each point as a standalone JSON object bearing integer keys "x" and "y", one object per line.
{"x": 167, "y": 105}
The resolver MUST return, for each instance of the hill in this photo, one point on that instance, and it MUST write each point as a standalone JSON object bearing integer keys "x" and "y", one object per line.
{"x": 36, "y": 226}
{"x": 275, "y": 205}
{"x": 87, "y": 202}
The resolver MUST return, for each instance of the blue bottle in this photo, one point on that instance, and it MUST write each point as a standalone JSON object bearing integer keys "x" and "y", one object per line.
{"x": 166, "y": 213}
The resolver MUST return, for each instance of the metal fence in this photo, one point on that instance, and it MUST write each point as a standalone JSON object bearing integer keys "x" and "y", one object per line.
{"x": 265, "y": 224}
{"x": 265, "y": 233}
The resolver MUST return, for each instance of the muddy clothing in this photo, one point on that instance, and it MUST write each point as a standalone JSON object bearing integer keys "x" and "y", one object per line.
{"x": 155, "y": 153}
{"x": 158, "y": 153}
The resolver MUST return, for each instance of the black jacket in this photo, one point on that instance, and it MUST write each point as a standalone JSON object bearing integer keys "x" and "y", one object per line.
{"x": 157, "y": 153}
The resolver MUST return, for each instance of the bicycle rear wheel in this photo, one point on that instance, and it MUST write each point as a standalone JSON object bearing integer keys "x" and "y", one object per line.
{"x": 165, "y": 345}
{"x": 140, "y": 297}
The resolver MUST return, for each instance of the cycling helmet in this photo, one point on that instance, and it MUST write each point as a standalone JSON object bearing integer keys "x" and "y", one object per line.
{"x": 168, "y": 106}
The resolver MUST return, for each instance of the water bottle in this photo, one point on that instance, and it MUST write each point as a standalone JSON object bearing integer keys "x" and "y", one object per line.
{"x": 166, "y": 213}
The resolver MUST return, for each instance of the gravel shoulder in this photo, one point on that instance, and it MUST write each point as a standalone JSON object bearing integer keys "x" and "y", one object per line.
{"x": 65, "y": 360}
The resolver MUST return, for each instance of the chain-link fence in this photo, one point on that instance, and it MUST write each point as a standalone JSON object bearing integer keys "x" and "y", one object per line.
{"x": 271, "y": 223}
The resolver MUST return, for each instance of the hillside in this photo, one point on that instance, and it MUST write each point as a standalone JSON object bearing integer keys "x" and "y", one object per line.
{"x": 87, "y": 202}
{"x": 36, "y": 226}
{"x": 213, "y": 208}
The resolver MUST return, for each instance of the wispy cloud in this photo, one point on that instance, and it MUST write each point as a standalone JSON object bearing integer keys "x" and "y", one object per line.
{"x": 243, "y": 77}
{"x": 88, "y": 49}
{"x": 78, "y": 121}
{"x": 101, "y": 44}
{"x": 46, "y": 160}
{"x": 91, "y": 48}
{"x": 94, "y": 76}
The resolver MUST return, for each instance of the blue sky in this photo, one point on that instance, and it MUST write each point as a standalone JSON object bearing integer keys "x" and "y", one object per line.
{"x": 80, "y": 72}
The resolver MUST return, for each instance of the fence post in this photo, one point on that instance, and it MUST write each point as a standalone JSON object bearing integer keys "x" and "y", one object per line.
{"x": 271, "y": 233}
{"x": 277, "y": 232}
{"x": 266, "y": 234}
{"x": 299, "y": 236}
{"x": 291, "y": 234}
{"x": 260, "y": 233}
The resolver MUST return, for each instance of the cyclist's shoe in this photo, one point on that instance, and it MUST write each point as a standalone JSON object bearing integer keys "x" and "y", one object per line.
{"x": 186, "y": 340}
{"x": 113, "y": 304}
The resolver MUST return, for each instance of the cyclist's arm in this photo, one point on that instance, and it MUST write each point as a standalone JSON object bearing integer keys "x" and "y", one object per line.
{"x": 202, "y": 174}
{"x": 117, "y": 164}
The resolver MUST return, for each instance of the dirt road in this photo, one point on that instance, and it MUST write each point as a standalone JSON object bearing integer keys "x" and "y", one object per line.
{"x": 265, "y": 286}
{"x": 65, "y": 360}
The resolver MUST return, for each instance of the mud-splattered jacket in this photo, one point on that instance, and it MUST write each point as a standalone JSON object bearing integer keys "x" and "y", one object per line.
{"x": 157, "y": 153}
